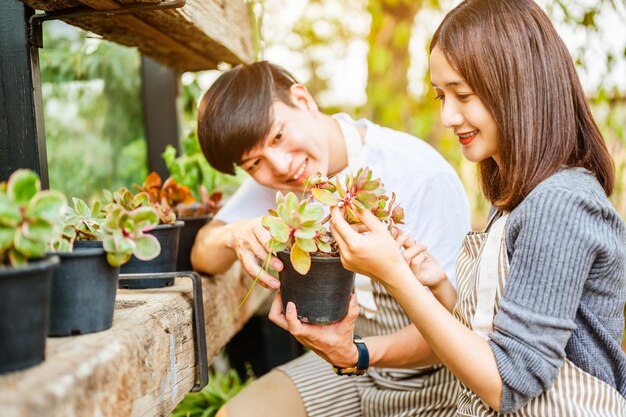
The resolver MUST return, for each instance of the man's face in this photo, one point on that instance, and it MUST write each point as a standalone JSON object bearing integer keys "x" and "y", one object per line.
{"x": 295, "y": 148}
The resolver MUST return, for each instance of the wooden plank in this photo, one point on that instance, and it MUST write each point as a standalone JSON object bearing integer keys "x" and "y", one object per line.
{"x": 195, "y": 37}
{"x": 143, "y": 366}
{"x": 22, "y": 135}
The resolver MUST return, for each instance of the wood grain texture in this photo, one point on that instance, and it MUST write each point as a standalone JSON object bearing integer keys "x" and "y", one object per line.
{"x": 196, "y": 37}
{"x": 143, "y": 366}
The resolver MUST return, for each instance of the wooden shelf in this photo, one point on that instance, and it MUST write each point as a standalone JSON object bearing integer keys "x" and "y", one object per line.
{"x": 142, "y": 366}
{"x": 195, "y": 37}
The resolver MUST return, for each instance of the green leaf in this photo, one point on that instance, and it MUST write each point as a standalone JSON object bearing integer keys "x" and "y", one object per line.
{"x": 9, "y": 212}
{"x": 307, "y": 245}
{"x": 117, "y": 259}
{"x": 312, "y": 211}
{"x": 325, "y": 197}
{"x": 368, "y": 199}
{"x": 291, "y": 202}
{"x": 23, "y": 185}
{"x": 40, "y": 231}
{"x": 276, "y": 246}
{"x": 81, "y": 207}
{"x": 280, "y": 231}
{"x": 6, "y": 237}
{"x": 323, "y": 246}
{"x": 147, "y": 247}
{"x": 29, "y": 248}
{"x": 141, "y": 199}
{"x": 371, "y": 185}
{"x": 306, "y": 233}
{"x": 144, "y": 217}
{"x": 268, "y": 221}
{"x": 300, "y": 260}
{"x": 16, "y": 258}
{"x": 47, "y": 205}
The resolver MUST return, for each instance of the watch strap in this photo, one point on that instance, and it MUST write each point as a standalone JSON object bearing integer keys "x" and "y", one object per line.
{"x": 363, "y": 360}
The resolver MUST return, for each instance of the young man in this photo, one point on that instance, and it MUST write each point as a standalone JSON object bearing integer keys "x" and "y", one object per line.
{"x": 259, "y": 117}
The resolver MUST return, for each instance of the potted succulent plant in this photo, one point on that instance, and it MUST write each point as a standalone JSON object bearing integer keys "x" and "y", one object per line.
{"x": 305, "y": 247}
{"x": 94, "y": 243}
{"x": 191, "y": 199}
{"x": 166, "y": 232}
{"x": 30, "y": 219}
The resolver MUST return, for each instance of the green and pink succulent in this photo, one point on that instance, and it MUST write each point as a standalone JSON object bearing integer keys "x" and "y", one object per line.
{"x": 30, "y": 219}
{"x": 299, "y": 225}
{"x": 122, "y": 231}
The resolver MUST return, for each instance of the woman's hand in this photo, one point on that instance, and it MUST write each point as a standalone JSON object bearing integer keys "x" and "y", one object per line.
{"x": 332, "y": 342}
{"x": 376, "y": 253}
{"x": 425, "y": 268}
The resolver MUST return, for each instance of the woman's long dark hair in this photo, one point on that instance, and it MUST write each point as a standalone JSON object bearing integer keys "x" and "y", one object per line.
{"x": 511, "y": 56}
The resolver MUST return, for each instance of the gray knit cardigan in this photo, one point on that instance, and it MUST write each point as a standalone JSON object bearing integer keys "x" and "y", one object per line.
{"x": 566, "y": 288}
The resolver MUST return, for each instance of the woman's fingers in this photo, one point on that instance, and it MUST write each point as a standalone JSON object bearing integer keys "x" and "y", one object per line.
{"x": 370, "y": 221}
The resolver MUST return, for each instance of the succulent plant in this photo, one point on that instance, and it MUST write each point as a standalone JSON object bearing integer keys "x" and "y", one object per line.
{"x": 178, "y": 197}
{"x": 121, "y": 231}
{"x": 299, "y": 226}
{"x": 124, "y": 234}
{"x": 358, "y": 191}
{"x": 30, "y": 219}
{"x": 124, "y": 198}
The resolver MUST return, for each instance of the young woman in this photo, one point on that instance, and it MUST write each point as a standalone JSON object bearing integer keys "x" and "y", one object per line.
{"x": 538, "y": 320}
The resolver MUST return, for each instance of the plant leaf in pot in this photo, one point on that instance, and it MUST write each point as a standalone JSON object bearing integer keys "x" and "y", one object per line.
{"x": 30, "y": 219}
{"x": 319, "y": 286}
{"x": 95, "y": 242}
{"x": 166, "y": 233}
{"x": 299, "y": 226}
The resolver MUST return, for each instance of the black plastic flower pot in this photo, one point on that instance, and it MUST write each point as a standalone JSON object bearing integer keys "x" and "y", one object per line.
{"x": 24, "y": 308}
{"x": 322, "y": 295}
{"x": 187, "y": 236}
{"x": 168, "y": 236}
{"x": 83, "y": 291}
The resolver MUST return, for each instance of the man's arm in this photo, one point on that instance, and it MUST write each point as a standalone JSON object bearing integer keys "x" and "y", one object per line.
{"x": 211, "y": 253}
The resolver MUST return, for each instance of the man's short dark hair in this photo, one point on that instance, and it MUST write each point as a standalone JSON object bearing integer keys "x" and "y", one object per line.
{"x": 234, "y": 115}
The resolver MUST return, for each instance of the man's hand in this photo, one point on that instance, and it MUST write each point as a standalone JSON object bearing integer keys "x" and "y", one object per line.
{"x": 332, "y": 342}
{"x": 248, "y": 238}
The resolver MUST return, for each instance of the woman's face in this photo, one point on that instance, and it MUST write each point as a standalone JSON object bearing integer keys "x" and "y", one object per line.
{"x": 462, "y": 111}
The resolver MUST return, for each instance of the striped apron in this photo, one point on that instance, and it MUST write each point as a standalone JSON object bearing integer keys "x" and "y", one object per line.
{"x": 382, "y": 392}
{"x": 482, "y": 270}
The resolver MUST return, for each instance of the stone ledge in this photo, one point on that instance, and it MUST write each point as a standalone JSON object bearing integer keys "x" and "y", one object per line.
{"x": 143, "y": 366}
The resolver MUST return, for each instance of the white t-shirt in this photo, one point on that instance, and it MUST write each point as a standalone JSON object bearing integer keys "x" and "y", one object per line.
{"x": 426, "y": 186}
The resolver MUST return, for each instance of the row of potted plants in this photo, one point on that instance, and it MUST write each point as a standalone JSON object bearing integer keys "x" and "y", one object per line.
{"x": 60, "y": 264}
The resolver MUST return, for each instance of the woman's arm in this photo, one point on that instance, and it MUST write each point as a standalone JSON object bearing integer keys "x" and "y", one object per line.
{"x": 465, "y": 353}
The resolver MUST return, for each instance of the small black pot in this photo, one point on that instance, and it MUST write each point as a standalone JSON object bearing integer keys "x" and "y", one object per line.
{"x": 168, "y": 236}
{"x": 24, "y": 306}
{"x": 83, "y": 291}
{"x": 187, "y": 237}
{"x": 322, "y": 295}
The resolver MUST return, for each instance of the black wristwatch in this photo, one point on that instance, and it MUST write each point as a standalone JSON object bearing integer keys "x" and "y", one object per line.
{"x": 362, "y": 363}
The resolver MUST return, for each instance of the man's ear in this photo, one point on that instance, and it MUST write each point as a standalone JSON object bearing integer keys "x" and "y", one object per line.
{"x": 301, "y": 97}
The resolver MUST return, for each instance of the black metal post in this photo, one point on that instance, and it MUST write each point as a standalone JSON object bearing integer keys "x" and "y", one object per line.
{"x": 159, "y": 91}
{"x": 22, "y": 137}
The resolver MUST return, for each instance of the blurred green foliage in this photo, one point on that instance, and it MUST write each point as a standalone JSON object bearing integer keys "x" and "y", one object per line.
{"x": 205, "y": 403}
{"x": 390, "y": 103}
{"x": 92, "y": 112}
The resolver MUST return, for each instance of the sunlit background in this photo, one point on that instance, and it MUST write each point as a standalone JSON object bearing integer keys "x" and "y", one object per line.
{"x": 367, "y": 58}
